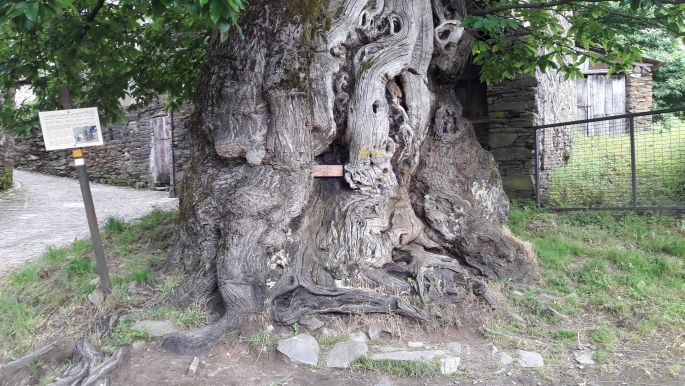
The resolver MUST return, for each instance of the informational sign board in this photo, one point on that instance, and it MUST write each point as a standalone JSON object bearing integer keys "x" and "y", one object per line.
{"x": 328, "y": 171}
{"x": 67, "y": 129}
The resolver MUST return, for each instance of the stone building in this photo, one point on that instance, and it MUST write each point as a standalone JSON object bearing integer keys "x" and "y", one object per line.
{"x": 136, "y": 153}
{"x": 505, "y": 114}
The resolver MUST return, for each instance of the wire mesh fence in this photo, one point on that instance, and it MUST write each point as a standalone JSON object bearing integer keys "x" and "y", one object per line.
{"x": 630, "y": 161}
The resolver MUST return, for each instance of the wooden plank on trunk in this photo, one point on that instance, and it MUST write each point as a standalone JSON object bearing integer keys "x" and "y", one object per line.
{"x": 328, "y": 171}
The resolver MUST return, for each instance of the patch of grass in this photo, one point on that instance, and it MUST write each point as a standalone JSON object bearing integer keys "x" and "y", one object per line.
{"x": 81, "y": 247}
{"x": 142, "y": 276}
{"x": 114, "y": 226}
{"x": 54, "y": 256}
{"x": 617, "y": 276}
{"x": 185, "y": 318}
{"x": 398, "y": 368}
{"x": 601, "y": 334}
{"x": 263, "y": 340}
{"x": 123, "y": 335}
{"x": 565, "y": 335}
{"x": 48, "y": 297}
{"x": 327, "y": 341}
{"x": 78, "y": 266}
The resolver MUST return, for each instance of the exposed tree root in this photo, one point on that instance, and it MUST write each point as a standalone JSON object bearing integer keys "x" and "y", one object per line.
{"x": 202, "y": 339}
{"x": 14, "y": 372}
{"x": 84, "y": 369}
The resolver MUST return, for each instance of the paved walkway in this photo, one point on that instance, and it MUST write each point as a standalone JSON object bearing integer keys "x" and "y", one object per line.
{"x": 43, "y": 211}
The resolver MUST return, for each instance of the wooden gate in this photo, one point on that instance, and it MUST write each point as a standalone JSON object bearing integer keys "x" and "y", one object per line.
{"x": 160, "y": 159}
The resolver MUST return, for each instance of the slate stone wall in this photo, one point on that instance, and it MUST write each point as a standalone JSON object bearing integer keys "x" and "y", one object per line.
{"x": 639, "y": 97}
{"x": 123, "y": 160}
{"x": 514, "y": 108}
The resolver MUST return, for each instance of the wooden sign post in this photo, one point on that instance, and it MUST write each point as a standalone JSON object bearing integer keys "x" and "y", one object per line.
{"x": 320, "y": 171}
{"x": 74, "y": 129}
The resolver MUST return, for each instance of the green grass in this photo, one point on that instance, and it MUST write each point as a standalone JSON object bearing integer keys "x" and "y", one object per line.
{"x": 185, "y": 318}
{"x": 263, "y": 340}
{"x": 598, "y": 171}
{"x": 616, "y": 276}
{"x": 122, "y": 335}
{"x": 398, "y": 368}
{"x": 48, "y": 297}
{"x": 328, "y": 341}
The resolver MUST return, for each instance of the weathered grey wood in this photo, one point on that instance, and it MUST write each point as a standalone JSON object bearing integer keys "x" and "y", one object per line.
{"x": 367, "y": 84}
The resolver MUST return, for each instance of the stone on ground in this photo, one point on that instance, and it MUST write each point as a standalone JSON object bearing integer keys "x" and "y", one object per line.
{"x": 375, "y": 330}
{"x": 529, "y": 359}
{"x": 385, "y": 381}
{"x": 506, "y": 359}
{"x": 449, "y": 365}
{"x": 302, "y": 349}
{"x": 343, "y": 354}
{"x": 454, "y": 347}
{"x": 359, "y": 336}
{"x": 407, "y": 355}
{"x": 585, "y": 357}
{"x": 155, "y": 328}
{"x": 97, "y": 297}
{"x": 415, "y": 344}
{"x": 311, "y": 323}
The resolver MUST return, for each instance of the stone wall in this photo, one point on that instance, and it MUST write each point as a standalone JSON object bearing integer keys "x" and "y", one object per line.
{"x": 125, "y": 158}
{"x": 514, "y": 108}
{"x": 639, "y": 97}
{"x": 6, "y": 161}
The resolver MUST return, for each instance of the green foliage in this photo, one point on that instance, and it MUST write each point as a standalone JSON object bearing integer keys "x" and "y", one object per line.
{"x": 520, "y": 38}
{"x": 669, "y": 76}
{"x": 103, "y": 50}
{"x": 6, "y": 181}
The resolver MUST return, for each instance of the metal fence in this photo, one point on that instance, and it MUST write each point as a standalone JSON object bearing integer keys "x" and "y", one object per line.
{"x": 630, "y": 161}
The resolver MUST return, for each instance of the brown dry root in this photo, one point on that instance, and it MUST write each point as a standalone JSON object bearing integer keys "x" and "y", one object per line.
{"x": 85, "y": 370}
{"x": 202, "y": 339}
{"x": 54, "y": 353}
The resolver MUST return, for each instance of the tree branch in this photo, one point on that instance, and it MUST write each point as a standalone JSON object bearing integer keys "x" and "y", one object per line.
{"x": 91, "y": 17}
{"x": 549, "y": 4}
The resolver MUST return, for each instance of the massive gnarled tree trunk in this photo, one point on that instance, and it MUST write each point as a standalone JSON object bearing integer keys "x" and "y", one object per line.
{"x": 363, "y": 83}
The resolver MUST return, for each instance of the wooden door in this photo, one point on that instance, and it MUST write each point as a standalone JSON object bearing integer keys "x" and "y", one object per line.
{"x": 160, "y": 159}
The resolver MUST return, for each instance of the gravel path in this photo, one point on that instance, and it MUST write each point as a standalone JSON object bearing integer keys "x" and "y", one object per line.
{"x": 43, "y": 211}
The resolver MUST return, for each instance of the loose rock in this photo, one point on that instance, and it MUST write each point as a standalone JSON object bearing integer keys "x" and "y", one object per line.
{"x": 193, "y": 366}
{"x": 407, "y": 355}
{"x": 529, "y": 359}
{"x": 97, "y": 297}
{"x": 415, "y": 344}
{"x": 155, "y": 328}
{"x": 359, "y": 336}
{"x": 455, "y": 348}
{"x": 311, "y": 323}
{"x": 449, "y": 365}
{"x": 506, "y": 359}
{"x": 344, "y": 353}
{"x": 302, "y": 349}
{"x": 375, "y": 331}
{"x": 585, "y": 357}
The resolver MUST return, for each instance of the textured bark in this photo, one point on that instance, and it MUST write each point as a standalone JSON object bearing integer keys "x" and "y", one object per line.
{"x": 367, "y": 84}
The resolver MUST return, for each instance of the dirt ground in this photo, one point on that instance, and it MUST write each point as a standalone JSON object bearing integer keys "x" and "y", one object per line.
{"x": 237, "y": 363}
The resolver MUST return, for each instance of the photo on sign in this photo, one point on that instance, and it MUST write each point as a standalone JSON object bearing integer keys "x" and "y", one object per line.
{"x": 85, "y": 134}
